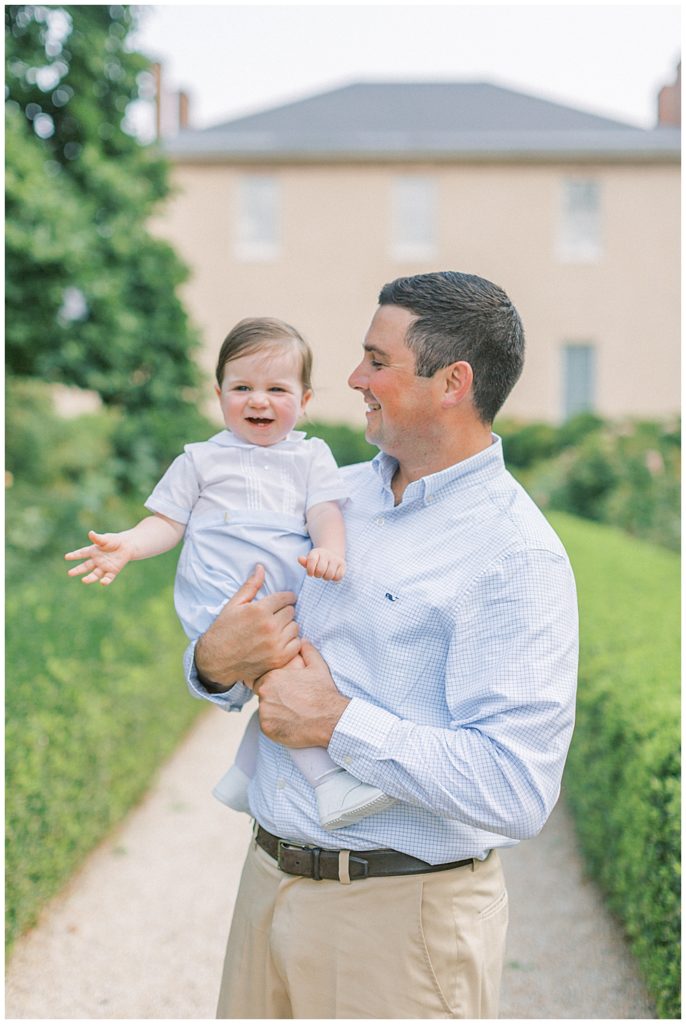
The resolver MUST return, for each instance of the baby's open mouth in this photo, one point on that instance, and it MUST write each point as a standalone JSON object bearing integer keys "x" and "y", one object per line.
{"x": 258, "y": 420}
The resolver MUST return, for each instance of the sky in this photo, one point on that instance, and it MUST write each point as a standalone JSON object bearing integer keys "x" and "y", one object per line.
{"x": 235, "y": 59}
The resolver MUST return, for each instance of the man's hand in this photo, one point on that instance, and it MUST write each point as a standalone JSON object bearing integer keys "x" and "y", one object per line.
{"x": 300, "y": 707}
{"x": 248, "y": 637}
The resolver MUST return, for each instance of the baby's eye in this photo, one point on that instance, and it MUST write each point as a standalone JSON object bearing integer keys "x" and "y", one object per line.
{"x": 241, "y": 387}
{"x": 275, "y": 388}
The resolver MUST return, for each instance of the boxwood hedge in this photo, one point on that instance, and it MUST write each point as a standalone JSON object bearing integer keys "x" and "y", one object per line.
{"x": 95, "y": 700}
{"x": 622, "y": 779}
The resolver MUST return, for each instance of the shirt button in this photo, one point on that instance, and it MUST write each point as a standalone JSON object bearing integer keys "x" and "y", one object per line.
{"x": 281, "y": 784}
{"x": 347, "y": 760}
{"x": 380, "y": 520}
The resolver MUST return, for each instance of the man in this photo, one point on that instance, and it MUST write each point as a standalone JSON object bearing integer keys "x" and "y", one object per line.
{"x": 442, "y": 670}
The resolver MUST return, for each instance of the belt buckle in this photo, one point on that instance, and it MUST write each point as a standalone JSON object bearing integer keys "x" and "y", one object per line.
{"x": 285, "y": 847}
{"x": 282, "y": 845}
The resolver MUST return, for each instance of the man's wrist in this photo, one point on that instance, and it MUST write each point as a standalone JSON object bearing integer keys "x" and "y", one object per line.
{"x": 335, "y": 717}
{"x": 204, "y": 678}
{"x": 210, "y": 684}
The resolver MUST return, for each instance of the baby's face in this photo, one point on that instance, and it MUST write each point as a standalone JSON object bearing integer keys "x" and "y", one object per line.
{"x": 262, "y": 396}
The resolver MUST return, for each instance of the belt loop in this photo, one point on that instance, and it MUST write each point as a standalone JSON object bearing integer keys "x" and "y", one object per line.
{"x": 344, "y": 867}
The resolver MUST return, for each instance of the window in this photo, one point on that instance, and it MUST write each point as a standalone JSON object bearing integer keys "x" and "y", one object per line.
{"x": 578, "y": 239}
{"x": 413, "y": 218}
{"x": 257, "y": 223}
{"x": 578, "y": 379}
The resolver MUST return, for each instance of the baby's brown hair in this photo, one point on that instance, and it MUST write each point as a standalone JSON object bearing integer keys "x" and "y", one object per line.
{"x": 254, "y": 333}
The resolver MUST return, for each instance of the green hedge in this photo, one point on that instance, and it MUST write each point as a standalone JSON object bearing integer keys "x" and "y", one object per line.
{"x": 623, "y": 774}
{"x": 348, "y": 444}
{"x": 625, "y": 473}
{"x": 95, "y": 700}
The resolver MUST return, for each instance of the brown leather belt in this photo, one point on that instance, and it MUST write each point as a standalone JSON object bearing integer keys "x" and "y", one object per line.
{"x": 344, "y": 865}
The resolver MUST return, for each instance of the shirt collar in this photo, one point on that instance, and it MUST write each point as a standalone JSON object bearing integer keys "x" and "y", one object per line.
{"x": 228, "y": 440}
{"x": 477, "y": 469}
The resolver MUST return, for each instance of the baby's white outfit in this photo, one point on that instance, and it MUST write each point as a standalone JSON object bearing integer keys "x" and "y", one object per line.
{"x": 242, "y": 504}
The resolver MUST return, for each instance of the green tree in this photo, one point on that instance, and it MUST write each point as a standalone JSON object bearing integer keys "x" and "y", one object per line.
{"x": 91, "y": 294}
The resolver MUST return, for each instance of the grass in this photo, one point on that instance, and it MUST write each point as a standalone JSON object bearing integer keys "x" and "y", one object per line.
{"x": 95, "y": 700}
{"x": 623, "y": 773}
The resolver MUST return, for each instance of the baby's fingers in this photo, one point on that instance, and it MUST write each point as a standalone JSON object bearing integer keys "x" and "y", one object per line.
{"x": 86, "y": 567}
{"x": 99, "y": 576}
{"x": 81, "y": 553}
{"x": 339, "y": 573}
{"x": 311, "y": 562}
{"x": 335, "y": 570}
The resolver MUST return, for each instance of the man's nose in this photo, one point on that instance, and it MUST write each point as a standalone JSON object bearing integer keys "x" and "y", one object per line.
{"x": 356, "y": 378}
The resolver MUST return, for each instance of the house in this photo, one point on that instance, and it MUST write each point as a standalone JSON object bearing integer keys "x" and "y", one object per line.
{"x": 304, "y": 211}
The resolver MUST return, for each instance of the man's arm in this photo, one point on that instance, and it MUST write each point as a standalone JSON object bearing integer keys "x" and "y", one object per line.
{"x": 511, "y": 696}
{"x": 510, "y": 684}
{"x": 248, "y": 637}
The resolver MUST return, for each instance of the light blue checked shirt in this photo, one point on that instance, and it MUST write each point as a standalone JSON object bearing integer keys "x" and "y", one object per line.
{"x": 455, "y": 633}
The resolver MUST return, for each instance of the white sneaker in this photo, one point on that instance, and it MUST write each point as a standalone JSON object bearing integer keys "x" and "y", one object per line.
{"x": 342, "y": 800}
{"x": 232, "y": 789}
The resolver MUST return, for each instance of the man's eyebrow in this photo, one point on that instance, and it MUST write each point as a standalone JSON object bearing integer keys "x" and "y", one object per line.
{"x": 374, "y": 348}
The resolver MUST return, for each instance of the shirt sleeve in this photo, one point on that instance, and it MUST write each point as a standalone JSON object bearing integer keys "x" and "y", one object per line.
{"x": 233, "y": 700}
{"x": 324, "y": 481}
{"x": 178, "y": 490}
{"x": 510, "y": 685}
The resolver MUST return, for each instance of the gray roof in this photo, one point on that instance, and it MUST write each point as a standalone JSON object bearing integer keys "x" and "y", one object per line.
{"x": 420, "y": 120}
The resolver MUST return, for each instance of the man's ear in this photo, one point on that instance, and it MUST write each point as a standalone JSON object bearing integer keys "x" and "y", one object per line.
{"x": 458, "y": 380}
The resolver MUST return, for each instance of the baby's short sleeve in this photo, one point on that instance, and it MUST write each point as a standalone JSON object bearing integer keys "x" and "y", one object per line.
{"x": 178, "y": 490}
{"x": 324, "y": 481}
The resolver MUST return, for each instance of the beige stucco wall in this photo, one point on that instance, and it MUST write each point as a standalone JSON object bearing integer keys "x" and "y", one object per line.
{"x": 498, "y": 221}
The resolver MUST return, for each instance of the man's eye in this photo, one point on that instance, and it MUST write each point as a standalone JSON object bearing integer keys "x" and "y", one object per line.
{"x": 375, "y": 363}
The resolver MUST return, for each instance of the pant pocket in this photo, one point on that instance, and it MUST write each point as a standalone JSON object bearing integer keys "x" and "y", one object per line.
{"x": 463, "y": 929}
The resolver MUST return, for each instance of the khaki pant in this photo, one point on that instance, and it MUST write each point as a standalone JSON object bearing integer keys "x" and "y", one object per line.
{"x": 409, "y": 946}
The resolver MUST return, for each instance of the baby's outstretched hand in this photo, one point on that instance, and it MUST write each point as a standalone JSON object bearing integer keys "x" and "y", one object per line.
{"x": 104, "y": 558}
{"x": 324, "y": 564}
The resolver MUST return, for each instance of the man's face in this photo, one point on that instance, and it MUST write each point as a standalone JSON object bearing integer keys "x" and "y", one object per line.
{"x": 400, "y": 405}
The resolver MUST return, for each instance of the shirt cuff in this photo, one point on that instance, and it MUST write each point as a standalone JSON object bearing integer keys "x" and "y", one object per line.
{"x": 232, "y": 700}
{"x": 361, "y": 737}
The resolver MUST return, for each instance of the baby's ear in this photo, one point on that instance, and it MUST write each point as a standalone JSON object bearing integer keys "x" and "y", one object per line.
{"x": 308, "y": 394}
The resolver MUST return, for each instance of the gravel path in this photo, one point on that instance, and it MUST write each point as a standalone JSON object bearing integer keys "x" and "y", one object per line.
{"x": 139, "y": 933}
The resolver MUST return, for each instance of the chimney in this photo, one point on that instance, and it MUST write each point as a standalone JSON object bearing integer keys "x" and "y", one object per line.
{"x": 157, "y": 78}
{"x": 184, "y": 110}
{"x": 669, "y": 103}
